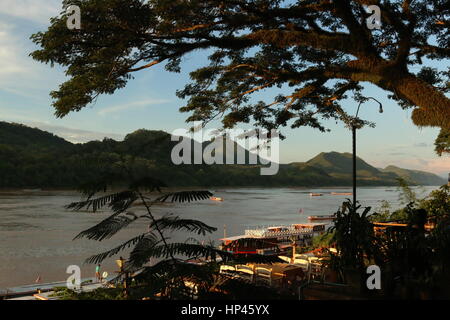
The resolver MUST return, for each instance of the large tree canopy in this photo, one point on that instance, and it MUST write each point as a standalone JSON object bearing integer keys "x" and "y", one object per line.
{"x": 320, "y": 50}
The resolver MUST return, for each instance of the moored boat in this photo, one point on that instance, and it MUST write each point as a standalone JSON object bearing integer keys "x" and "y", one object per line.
{"x": 273, "y": 240}
{"x": 216, "y": 199}
{"x": 315, "y": 218}
{"x": 312, "y": 194}
{"x": 342, "y": 193}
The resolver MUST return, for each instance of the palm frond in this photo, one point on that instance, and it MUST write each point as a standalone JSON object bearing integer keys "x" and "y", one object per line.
{"x": 142, "y": 252}
{"x": 175, "y": 223}
{"x": 102, "y": 256}
{"x": 185, "y": 196}
{"x": 118, "y": 202}
{"x": 107, "y": 228}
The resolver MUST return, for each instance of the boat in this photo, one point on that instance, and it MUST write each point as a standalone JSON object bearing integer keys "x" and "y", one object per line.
{"x": 342, "y": 193}
{"x": 272, "y": 240}
{"x": 314, "y": 218}
{"x": 216, "y": 199}
{"x": 316, "y": 194}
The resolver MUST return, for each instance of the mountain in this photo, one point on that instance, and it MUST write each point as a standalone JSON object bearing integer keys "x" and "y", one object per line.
{"x": 34, "y": 158}
{"x": 416, "y": 176}
{"x": 14, "y": 134}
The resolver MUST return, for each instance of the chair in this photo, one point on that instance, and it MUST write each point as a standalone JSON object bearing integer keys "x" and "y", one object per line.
{"x": 263, "y": 276}
{"x": 285, "y": 259}
{"x": 228, "y": 270}
{"x": 245, "y": 272}
{"x": 316, "y": 268}
{"x": 304, "y": 263}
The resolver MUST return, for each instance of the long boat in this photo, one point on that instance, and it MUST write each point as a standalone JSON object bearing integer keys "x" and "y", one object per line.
{"x": 216, "y": 199}
{"x": 272, "y": 240}
{"x": 315, "y": 218}
{"x": 342, "y": 193}
{"x": 312, "y": 194}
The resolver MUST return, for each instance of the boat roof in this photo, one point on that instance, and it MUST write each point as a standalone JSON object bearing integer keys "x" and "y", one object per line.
{"x": 235, "y": 238}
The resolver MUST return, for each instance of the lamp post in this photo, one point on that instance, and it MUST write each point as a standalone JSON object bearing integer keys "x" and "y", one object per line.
{"x": 354, "y": 128}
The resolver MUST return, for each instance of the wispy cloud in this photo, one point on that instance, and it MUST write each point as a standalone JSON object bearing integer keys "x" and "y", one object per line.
{"x": 9, "y": 52}
{"x": 75, "y": 135}
{"x": 132, "y": 106}
{"x": 35, "y": 10}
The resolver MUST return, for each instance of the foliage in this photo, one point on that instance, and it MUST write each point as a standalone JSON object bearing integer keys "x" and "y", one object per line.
{"x": 353, "y": 237}
{"x": 414, "y": 261}
{"x": 442, "y": 143}
{"x": 170, "y": 275}
{"x": 437, "y": 204}
{"x": 322, "y": 50}
{"x": 323, "y": 241}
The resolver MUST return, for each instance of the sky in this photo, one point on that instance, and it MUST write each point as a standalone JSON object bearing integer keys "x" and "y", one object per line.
{"x": 149, "y": 102}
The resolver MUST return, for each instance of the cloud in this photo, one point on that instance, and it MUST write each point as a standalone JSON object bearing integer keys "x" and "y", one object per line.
{"x": 19, "y": 74}
{"x": 132, "y": 106}
{"x": 75, "y": 135}
{"x": 10, "y": 51}
{"x": 35, "y": 10}
{"x": 421, "y": 145}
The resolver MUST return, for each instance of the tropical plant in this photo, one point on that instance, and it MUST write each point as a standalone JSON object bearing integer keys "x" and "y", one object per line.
{"x": 354, "y": 238}
{"x": 173, "y": 276}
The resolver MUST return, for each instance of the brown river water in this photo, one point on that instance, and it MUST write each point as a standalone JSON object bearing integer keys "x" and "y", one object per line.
{"x": 36, "y": 232}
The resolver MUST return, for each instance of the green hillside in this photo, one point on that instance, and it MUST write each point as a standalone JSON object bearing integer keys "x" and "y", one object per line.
{"x": 14, "y": 134}
{"x": 415, "y": 176}
{"x": 34, "y": 158}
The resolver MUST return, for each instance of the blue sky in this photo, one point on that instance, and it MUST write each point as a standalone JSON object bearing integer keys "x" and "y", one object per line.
{"x": 149, "y": 102}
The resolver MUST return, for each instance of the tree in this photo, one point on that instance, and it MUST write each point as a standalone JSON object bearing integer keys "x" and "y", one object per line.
{"x": 320, "y": 49}
{"x": 442, "y": 143}
{"x": 172, "y": 276}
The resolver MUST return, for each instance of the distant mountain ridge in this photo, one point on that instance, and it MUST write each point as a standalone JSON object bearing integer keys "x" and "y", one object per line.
{"x": 30, "y": 157}
{"x": 340, "y": 166}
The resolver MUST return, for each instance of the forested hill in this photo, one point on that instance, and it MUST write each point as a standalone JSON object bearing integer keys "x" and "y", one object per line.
{"x": 18, "y": 135}
{"x": 32, "y": 158}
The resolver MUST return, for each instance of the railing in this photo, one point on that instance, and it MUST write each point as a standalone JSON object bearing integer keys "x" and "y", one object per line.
{"x": 267, "y": 233}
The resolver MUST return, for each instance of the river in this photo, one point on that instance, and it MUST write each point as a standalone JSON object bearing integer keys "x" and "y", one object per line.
{"x": 36, "y": 231}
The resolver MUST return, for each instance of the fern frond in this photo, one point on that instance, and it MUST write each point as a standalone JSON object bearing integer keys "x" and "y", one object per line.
{"x": 107, "y": 228}
{"x": 102, "y": 256}
{"x": 185, "y": 196}
{"x": 142, "y": 254}
{"x": 118, "y": 202}
{"x": 175, "y": 224}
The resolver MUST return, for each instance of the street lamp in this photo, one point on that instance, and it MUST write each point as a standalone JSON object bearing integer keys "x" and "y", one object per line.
{"x": 354, "y": 128}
